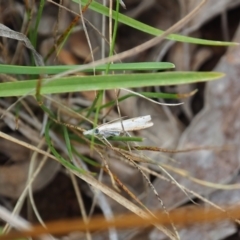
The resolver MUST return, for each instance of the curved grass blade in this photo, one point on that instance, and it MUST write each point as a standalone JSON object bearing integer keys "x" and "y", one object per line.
{"x": 151, "y": 30}
{"x": 68, "y": 143}
{"x": 86, "y": 159}
{"x": 64, "y": 162}
{"x": 149, "y": 95}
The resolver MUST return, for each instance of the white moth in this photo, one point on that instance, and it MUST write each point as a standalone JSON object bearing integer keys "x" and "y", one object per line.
{"x": 116, "y": 128}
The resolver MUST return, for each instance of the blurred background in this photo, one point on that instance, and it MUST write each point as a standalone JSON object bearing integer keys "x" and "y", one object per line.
{"x": 208, "y": 119}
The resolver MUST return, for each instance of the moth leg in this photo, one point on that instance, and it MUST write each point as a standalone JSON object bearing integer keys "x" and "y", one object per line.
{"x": 128, "y": 134}
{"x": 105, "y": 139}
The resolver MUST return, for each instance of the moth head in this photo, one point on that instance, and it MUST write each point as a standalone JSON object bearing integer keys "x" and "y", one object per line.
{"x": 96, "y": 131}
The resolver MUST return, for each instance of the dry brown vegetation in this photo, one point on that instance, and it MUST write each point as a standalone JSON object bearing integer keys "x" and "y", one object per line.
{"x": 206, "y": 126}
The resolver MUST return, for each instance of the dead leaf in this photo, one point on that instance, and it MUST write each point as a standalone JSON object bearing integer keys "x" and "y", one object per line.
{"x": 8, "y": 33}
{"x": 14, "y": 176}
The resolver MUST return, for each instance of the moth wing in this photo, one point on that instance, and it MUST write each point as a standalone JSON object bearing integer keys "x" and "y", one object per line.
{"x": 132, "y": 124}
{"x": 137, "y": 123}
{"x": 103, "y": 127}
{"x": 111, "y": 126}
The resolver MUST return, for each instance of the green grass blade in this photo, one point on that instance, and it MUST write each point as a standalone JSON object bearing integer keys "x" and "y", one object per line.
{"x": 64, "y": 162}
{"x": 38, "y": 18}
{"x": 148, "y": 29}
{"x": 125, "y": 139}
{"x": 148, "y": 66}
{"x": 68, "y": 142}
{"x": 86, "y": 159}
{"x": 86, "y": 83}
